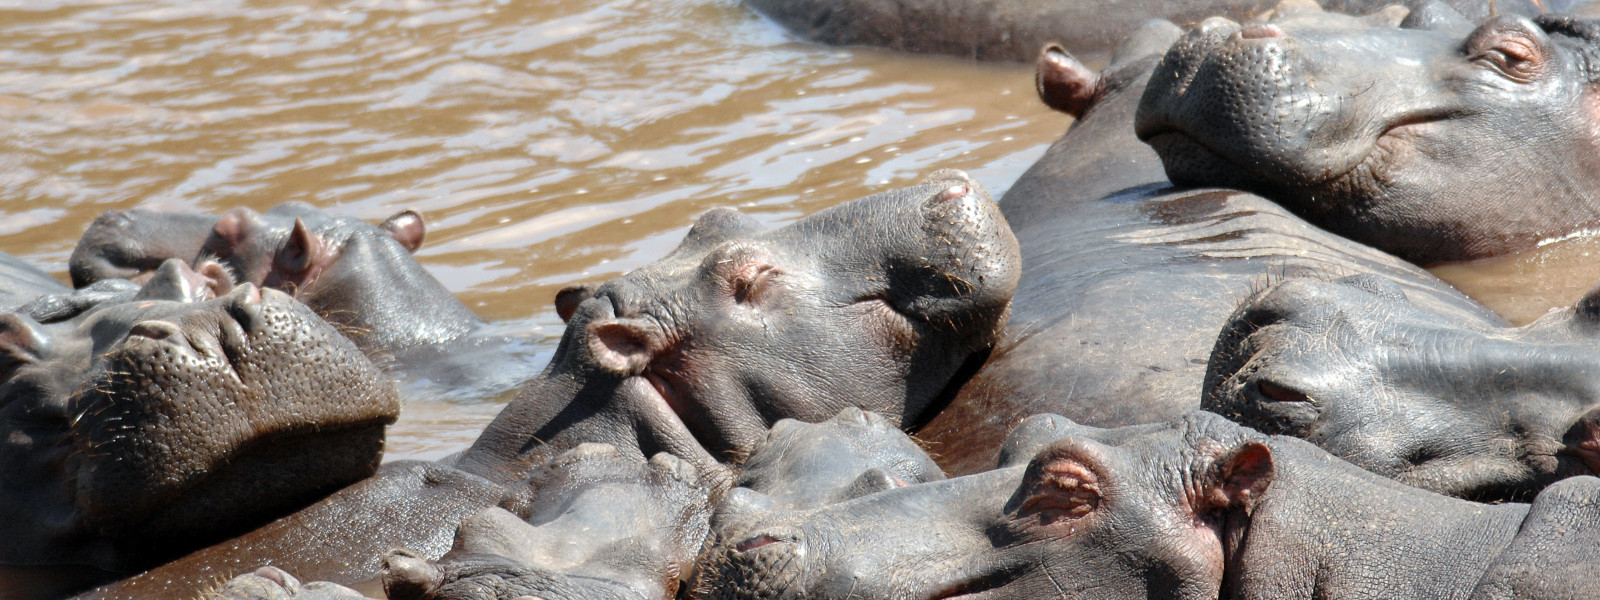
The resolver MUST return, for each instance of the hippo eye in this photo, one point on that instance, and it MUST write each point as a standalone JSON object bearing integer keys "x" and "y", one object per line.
{"x": 1510, "y": 53}
{"x": 752, "y": 285}
{"x": 1273, "y": 392}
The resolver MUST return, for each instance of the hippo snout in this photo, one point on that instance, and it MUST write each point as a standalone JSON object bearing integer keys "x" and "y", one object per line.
{"x": 765, "y": 565}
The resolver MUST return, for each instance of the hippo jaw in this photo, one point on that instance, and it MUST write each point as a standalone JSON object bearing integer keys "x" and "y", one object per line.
{"x": 1379, "y": 134}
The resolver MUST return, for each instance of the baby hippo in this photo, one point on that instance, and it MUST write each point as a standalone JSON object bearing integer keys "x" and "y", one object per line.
{"x": 591, "y": 524}
{"x": 138, "y": 423}
{"x": 806, "y": 465}
{"x": 1196, "y": 508}
{"x": 1462, "y": 407}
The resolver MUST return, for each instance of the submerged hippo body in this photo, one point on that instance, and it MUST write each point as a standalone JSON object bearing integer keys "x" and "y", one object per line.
{"x": 21, "y": 282}
{"x": 358, "y": 276}
{"x": 143, "y": 423}
{"x": 1198, "y": 508}
{"x": 1438, "y": 141}
{"x": 1014, "y": 30}
{"x": 1127, "y": 280}
{"x": 874, "y": 303}
{"x": 1469, "y": 408}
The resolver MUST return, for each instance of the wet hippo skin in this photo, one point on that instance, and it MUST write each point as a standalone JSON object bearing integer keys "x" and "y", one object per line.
{"x": 143, "y": 422}
{"x": 359, "y": 276}
{"x": 1446, "y": 139}
{"x": 1013, "y": 30}
{"x": 1196, "y": 508}
{"x": 872, "y": 304}
{"x": 1126, "y": 280}
{"x": 1463, "y": 407}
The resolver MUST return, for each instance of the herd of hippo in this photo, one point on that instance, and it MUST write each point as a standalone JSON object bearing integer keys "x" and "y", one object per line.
{"x": 1189, "y": 354}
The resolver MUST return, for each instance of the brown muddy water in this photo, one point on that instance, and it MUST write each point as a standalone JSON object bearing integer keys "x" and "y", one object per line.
{"x": 547, "y": 143}
{"x": 1525, "y": 286}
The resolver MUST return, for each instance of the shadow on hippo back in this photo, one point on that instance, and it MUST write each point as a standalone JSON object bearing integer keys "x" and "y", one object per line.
{"x": 142, "y": 422}
{"x": 1467, "y": 408}
{"x": 1436, "y": 141}
{"x": 877, "y": 303}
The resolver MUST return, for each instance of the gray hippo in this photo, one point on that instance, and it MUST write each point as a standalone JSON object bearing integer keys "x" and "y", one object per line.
{"x": 874, "y": 303}
{"x": 1469, "y": 408}
{"x": 1014, "y": 30}
{"x": 1126, "y": 280}
{"x": 1199, "y": 508}
{"x": 360, "y": 277}
{"x": 144, "y": 422}
{"x": 1437, "y": 141}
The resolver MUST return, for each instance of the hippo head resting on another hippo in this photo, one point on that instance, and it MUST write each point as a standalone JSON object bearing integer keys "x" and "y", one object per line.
{"x": 1474, "y": 410}
{"x": 877, "y": 303}
{"x": 1436, "y": 141}
{"x": 358, "y": 276}
{"x": 139, "y": 423}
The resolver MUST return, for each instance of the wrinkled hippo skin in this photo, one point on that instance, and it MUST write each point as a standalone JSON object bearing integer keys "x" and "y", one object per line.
{"x": 1468, "y": 408}
{"x": 360, "y": 277}
{"x": 1201, "y": 508}
{"x": 1014, "y": 30}
{"x": 1437, "y": 141}
{"x": 874, "y": 303}
{"x": 589, "y": 524}
{"x": 162, "y": 418}
{"x": 1127, "y": 280}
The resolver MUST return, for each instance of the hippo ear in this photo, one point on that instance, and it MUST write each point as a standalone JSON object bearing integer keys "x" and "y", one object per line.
{"x": 300, "y": 253}
{"x": 625, "y": 346}
{"x": 1064, "y": 83}
{"x": 1237, "y": 479}
{"x": 406, "y": 576}
{"x": 406, "y": 227}
{"x": 568, "y": 299}
{"x": 1062, "y": 485}
{"x": 22, "y": 342}
{"x": 872, "y": 481}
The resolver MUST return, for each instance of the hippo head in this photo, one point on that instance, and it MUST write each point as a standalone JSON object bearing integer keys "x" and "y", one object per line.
{"x": 589, "y": 524}
{"x": 1150, "y": 517}
{"x": 1471, "y": 410}
{"x": 143, "y": 424}
{"x": 360, "y": 277}
{"x": 804, "y": 465}
{"x": 1435, "y": 141}
{"x": 876, "y": 303}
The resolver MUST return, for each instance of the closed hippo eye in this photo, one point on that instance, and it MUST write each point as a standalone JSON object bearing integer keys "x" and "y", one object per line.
{"x": 1511, "y": 49}
{"x": 1275, "y": 392}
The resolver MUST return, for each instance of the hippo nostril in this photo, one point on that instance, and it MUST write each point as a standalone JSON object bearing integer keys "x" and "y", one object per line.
{"x": 953, "y": 192}
{"x": 1258, "y": 32}
{"x": 156, "y": 330}
{"x": 755, "y": 542}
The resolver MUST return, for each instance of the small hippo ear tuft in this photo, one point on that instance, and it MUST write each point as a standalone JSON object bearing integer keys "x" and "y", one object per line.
{"x": 1064, "y": 83}
{"x": 406, "y": 227}
{"x": 22, "y": 342}
{"x": 232, "y": 229}
{"x": 623, "y": 346}
{"x": 872, "y": 481}
{"x": 1239, "y": 478}
{"x": 407, "y": 577}
{"x": 568, "y": 299}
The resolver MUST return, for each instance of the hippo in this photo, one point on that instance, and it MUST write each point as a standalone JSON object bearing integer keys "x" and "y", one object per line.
{"x": 21, "y": 282}
{"x": 1126, "y": 279}
{"x": 1469, "y": 408}
{"x": 360, "y": 277}
{"x": 141, "y": 426}
{"x": 1013, "y": 30}
{"x": 1199, "y": 508}
{"x": 876, "y": 303}
{"x": 589, "y": 524}
{"x": 806, "y": 465}
{"x": 1437, "y": 141}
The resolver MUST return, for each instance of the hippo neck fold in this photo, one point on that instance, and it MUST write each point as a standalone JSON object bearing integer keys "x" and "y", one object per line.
{"x": 1325, "y": 524}
{"x": 526, "y": 430}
